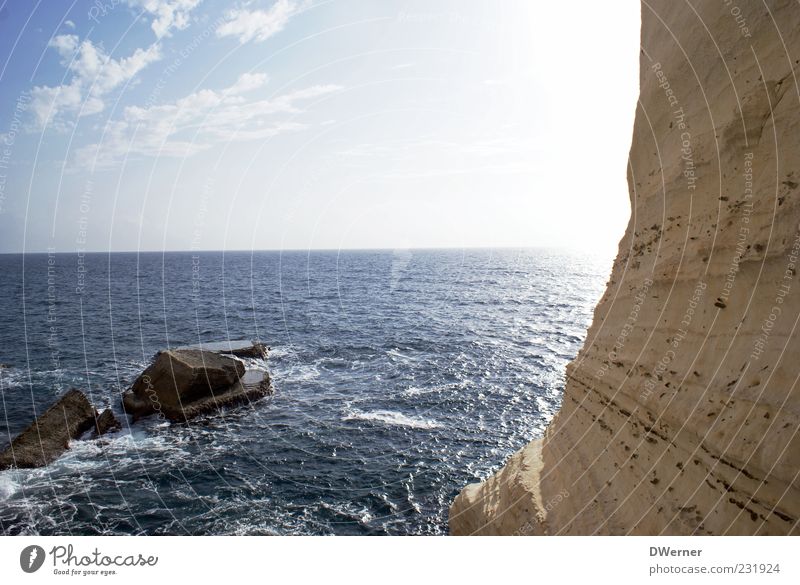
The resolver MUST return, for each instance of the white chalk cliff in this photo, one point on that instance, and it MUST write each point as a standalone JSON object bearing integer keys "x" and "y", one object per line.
{"x": 680, "y": 413}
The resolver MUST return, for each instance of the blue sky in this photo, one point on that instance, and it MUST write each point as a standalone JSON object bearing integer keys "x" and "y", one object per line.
{"x": 295, "y": 124}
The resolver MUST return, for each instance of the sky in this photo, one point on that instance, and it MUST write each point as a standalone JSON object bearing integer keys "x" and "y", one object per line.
{"x": 315, "y": 124}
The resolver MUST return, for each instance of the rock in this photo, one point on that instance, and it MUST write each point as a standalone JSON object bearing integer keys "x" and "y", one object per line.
{"x": 4, "y": 367}
{"x": 253, "y": 385}
{"x": 680, "y": 412}
{"x": 242, "y": 349}
{"x": 255, "y": 350}
{"x": 50, "y": 434}
{"x": 179, "y": 378}
{"x": 106, "y": 423}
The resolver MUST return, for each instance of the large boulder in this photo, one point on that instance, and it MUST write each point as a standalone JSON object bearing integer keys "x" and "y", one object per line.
{"x": 49, "y": 435}
{"x": 177, "y": 378}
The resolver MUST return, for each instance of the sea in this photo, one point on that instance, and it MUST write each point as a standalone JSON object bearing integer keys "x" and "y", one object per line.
{"x": 400, "y": 377}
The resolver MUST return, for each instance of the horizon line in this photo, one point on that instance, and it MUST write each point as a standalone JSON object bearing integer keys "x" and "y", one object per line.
{"x": 254, "y": 250}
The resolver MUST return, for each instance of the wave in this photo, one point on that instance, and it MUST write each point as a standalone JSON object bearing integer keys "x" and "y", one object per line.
{"x": 11, "y": 377}
{"x": 414, "y": 391}
{"x": 279, "y": 352}
{"x": 7, "y": 485}
{"x": 397, "y": 355}
{"x": 393, "y": 418}
{"x": 437, "y": 388}
{"x": 297, "y": 373}
{"x": 380, "y": 413}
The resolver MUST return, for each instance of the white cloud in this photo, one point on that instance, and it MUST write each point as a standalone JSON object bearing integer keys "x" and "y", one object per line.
{"x": 247, "y": 82}
{"x": 65, "y": 44}
{"x": 93, "y": 75}
{"x": 258, "y": 25}
{"x": 168, "y": 14}
{"x": 198, "y": 121}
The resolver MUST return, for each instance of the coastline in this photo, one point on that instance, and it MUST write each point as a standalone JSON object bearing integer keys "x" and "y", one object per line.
{"x": 674, "y": 421}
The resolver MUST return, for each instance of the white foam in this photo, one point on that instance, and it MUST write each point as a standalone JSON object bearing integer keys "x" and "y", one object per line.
{"x": 10, "y": 377}
{"x": 299, "y": 374}
{"x": 7, "y": 485}
{"x": 415, "y": 391}
{"x": 395, "y": 354}
{"x": 279, "y": 352}
{"x": 391, "y": 417}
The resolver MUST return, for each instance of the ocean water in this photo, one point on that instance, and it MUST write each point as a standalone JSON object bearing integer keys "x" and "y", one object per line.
{"x": 400, "y": 377}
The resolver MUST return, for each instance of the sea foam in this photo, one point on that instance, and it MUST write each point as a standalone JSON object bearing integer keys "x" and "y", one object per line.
{"x": 394, "y": 418}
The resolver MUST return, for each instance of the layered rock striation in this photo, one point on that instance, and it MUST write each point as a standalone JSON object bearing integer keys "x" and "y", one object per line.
{"x": 680, "y": 413}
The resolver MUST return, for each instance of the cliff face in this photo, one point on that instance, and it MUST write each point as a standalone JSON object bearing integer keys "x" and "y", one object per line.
{"x": 680, "y": 413}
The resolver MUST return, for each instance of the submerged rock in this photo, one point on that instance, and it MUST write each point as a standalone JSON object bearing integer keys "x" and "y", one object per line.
{"x": 183, "y": 383}
{"x": 50, "y": 434}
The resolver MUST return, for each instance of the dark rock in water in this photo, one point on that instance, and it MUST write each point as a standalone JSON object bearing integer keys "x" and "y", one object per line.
{"x": 3, "y": 366}
{"x": 49, "y": 435}
{"x": 106, "y": 423}
{"x": 253, "y": 385}
{"x": 256, "y": 350}
{"x": 179, "y": 378}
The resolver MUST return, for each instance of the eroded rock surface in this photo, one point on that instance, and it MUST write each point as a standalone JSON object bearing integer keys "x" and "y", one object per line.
{"x": 183, "y": 383}
{"x": 50, "y": 434}
{"x": 254, "y": 384}
{"x": 177, "y": 378}
{"x": 106, "y": 423}
{"x": 680, "y": 414}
